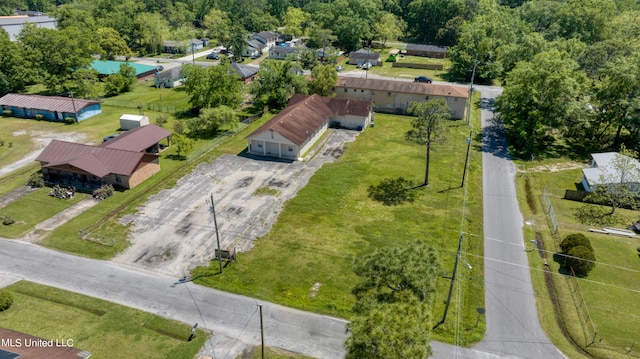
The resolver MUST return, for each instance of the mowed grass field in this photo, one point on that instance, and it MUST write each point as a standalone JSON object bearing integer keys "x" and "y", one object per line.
{"x": 105, "y": 329}
{"x": 331, "y": 221}
{"x": 602, "y": 316}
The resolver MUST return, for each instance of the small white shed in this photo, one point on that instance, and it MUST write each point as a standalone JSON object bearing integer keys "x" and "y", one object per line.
{"x": 128, "y": 122}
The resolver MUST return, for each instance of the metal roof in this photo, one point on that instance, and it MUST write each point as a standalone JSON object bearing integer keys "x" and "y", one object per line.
{"x": 14, "y": 24}
{"x": 112, "y": 67}
{"x": 603, "y": 172}
{"x": 244, "y": 71}
{"x": 421, "y": 47}
{"x": 137, "y": 139}
{"x": 47, "y": 103}
{"x": 403, "y": 87}
{"x": 98, "y": 161}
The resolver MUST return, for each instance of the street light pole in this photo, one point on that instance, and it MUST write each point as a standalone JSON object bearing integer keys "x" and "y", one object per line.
{"x": 215, "y": 223}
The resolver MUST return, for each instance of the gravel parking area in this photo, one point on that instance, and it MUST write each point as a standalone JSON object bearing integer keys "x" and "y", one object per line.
{"x": 174, "y": 232}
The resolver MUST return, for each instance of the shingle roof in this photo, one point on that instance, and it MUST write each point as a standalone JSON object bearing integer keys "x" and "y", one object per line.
{"x": 430, "y": 48}
{"x": 267, "y": 35}
{"x": 47, "y": 103}
{"x": 172, "y": 73}
{"x": 256, "y": 44}
{"x": 305, "y": 114}
{"x": 137, "y": 139}
{"x": 364, "y": 55}
{"x": 244, "y": 71}
{"x": 403, "y": 87}
{"x": 98, "y": 161}
{"x": 298, "y": 121}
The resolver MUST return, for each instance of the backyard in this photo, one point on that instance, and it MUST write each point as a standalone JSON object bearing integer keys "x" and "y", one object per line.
{"x": 599, "y": 311}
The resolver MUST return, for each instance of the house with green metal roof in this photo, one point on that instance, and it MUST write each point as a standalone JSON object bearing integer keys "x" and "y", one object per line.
{"x": 106, "y": 68}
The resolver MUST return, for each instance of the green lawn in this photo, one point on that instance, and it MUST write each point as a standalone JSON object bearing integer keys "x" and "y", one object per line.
{"x": 332, "y": 220}
{"x": 33, "y": 209}
{"x": 105, "y": 329}
{"x": 611, "y": 291}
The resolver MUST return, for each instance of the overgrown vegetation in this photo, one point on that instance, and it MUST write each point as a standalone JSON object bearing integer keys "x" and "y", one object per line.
{"x": 6, "y": 299}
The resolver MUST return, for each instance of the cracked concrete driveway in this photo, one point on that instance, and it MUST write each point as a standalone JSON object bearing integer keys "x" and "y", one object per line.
{"x": 173, "y": 231}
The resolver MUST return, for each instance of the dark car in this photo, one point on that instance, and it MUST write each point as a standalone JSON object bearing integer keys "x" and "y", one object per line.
{"x": 424, "y": 79}
{"x": 159, "y": 68}
{"x": 213, "y": 56}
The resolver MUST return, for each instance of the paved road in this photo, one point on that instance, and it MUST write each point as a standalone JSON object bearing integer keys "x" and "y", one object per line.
{"x": 513, "y": 328}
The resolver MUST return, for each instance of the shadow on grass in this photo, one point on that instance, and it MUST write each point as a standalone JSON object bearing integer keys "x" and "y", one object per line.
{"x": 561, "y": 259}
{"x": 393, "y": 192}
{"x": 176, "y": 157}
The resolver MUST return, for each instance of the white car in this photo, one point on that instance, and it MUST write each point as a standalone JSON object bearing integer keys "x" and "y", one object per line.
{"x": 367, "y": 65}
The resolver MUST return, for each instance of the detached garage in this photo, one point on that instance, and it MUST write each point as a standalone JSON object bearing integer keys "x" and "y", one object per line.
{"x": 129, "y": 122}
{"x": 294, "y": 130}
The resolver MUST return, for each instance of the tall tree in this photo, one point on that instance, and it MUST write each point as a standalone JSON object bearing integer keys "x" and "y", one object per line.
{"x": 112, "y": 44}
{"x": 295, "y": 21}
{"x": 212, "y": 86}
{"x": 426, "y": 17}
{"x": 544, "y": 94}
{"x": 211, "y": 120}
{"x": 58, "y": 53}
{"x": 14, "y": 68}
{"x": 389, "y": 28}
{"x": 428, "y": 125}
{"x": 279, "y": 80}
{"x": 323, "y": 79}
{"x": 150, "y": 30}
{"x": 393, "y": 299}
{"x": 218, "y": 26}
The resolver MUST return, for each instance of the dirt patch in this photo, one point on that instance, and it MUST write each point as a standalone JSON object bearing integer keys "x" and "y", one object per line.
{"x": 174, "y": 231}
{"x": 41, "y": 139}
{"x": 556, "y": 167}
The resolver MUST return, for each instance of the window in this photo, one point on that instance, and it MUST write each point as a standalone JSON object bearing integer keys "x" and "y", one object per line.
{"x": 354, "y": 90}
{"x": 259, "y": 144}
{"x": 361, "y": 90}
{"x": 426, "y": 97}
{"x": 389, "y": 94}
{"x": 290, "y": 149}
{"x": 118, "y": 178}
{"x": 345, "y": 90}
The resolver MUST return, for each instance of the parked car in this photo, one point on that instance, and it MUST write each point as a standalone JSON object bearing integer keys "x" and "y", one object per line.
{"x": 367, "y": 65}
{"x": 340, "y": 68}
{"x": 159, "y": 68}
{"x": 424, "y": 79}
{"x": 213, "y": 56}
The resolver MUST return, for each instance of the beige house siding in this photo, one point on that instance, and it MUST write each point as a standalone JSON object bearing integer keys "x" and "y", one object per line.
{"x": 351, "y": 122}
{"x": 394, "y": 102}
{"x": 271, "y": 143}
{"x": 312, "y": 139}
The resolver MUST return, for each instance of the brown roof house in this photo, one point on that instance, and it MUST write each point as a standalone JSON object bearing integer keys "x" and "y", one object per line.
{"x": 124, "y": 161}
{"x": 396, "y": 96}
{"x": 295, "y": 130}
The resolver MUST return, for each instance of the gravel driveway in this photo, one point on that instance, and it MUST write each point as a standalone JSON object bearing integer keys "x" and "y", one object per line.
{"x": 173, "y": 231}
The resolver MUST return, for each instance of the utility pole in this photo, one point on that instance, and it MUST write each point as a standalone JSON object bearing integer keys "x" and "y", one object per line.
{"x": 453, "y": 278}
{"x": 473, "y": 74}
{"x": 466, "y": 161}
{"x": 193, "y": 56}
{"x": 73, "y": 103}
{"x": 261, "y": 330}
{"x": 215, "y": 223}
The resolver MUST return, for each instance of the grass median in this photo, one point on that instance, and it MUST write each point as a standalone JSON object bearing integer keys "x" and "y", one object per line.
{"x": 105, "y": 329}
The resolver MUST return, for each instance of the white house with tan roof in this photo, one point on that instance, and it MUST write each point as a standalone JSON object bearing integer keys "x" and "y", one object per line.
{"x": 295, "y": 130}
{"x": 393, "y": 96}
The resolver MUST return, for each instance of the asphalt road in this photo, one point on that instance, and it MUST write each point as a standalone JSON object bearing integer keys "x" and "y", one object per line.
{"x": 513, "y": 328}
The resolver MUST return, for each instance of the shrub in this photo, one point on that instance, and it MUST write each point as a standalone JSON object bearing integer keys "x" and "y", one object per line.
{"x": 36, "y": 180}
{"x": 6, "y": 299}
{"x": 7, "y": 112}
{"x": 582, "y": 260}
{"x": 103, "y": 192}
{"x": 6, "y": 220}
{"x": 39, "y": 116}
{"x": 529, "y": 192}
{"x": 574, "y": 240}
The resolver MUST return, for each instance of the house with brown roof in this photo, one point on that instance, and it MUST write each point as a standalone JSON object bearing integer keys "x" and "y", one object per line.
{"x": 296, "y": 129}
{"x": 392, "y": 96}
{"x": 124, "y": 161}
{"x": 52, "y": 108}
